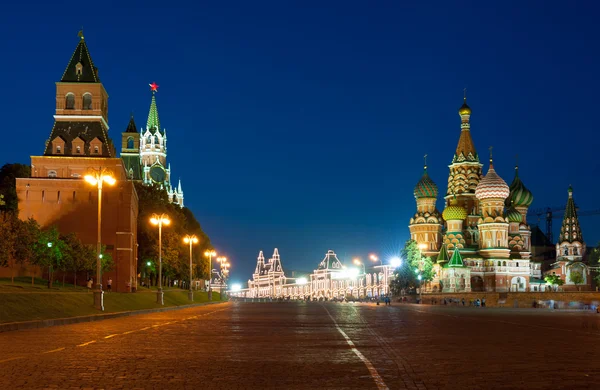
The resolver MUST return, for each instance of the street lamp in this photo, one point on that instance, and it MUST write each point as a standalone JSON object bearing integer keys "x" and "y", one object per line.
{"x": 210, "y": 254}
{"x": 420, "y": 289}
{"x": 375, "y": 258}
{"x": 223, "y": 265}
{"x": 395, "y": 262}
{"x": 160, "y": 220}
{"x": 358, "y": 262}
{"x": 96, "y": 177}
{"x": 190, "y": 240}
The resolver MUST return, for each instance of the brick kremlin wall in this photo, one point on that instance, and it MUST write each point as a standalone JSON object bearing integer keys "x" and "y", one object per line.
{"x": 521, "y": 300}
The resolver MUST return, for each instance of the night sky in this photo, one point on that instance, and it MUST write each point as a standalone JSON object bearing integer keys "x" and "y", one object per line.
{"x": 303, "y": 126}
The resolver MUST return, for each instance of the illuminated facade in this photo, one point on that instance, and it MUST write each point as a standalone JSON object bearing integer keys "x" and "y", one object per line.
{"x": 331, "y": 280}
{"x": 144, "y": 153}
{"x": 481, "y": 241}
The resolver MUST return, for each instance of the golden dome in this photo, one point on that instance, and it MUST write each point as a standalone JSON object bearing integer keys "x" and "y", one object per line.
{"x": 464, "y": 109}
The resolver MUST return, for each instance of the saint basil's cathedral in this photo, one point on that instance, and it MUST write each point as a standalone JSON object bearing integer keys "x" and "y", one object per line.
{"x": 481, "y": 241}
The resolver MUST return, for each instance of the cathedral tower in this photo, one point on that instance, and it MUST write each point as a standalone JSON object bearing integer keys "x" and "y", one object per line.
{"x": 519, "y": 200}
{"x": 492, "y": 192}
{"x": 426, "y": 225}
{"x": 570, "y": 245}
{"x": 465, "y": 174}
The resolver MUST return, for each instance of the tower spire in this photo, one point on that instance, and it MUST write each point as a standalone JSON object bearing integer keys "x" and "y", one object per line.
{"x": 153, "y": 123}
{"x": 570, "y": 230}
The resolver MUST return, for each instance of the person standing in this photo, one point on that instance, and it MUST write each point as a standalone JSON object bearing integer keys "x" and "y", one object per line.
{"x": 109, "y": 285}
{"x": 90, "y": 283}
{"x": 483, "y": 302}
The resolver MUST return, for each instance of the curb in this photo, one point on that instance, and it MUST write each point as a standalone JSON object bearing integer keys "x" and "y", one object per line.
{"x": 12, "y": 326}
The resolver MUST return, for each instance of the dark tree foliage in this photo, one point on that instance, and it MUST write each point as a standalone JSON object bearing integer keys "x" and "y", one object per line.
{"x": 175, "y": 254}
{"x": 8, "y": 184}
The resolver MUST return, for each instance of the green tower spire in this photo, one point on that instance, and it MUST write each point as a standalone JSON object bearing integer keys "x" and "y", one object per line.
{"x": 153, "y": 123}
{"x": 456, "y": 260}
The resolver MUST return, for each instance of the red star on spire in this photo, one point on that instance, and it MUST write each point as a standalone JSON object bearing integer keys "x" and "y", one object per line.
{"x": 153, "y": 87}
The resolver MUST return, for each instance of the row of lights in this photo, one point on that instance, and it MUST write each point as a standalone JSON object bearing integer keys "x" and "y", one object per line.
{"x": 97, "y": 177}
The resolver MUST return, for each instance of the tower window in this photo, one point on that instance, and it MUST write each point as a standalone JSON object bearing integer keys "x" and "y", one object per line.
{"x": 74, "y": 197}
{"x": 58, "y": 197}
{"x": 43, "y": 196}
{"x": 78, "y": 150}
{"x": 58, "y": 149}
{"x": 87, "y": 101}
{"x": 70, "y": 101}
{"x": 130, "y": 143}
{"x": 78, "y": 69}
{"x": 96, "y": 150}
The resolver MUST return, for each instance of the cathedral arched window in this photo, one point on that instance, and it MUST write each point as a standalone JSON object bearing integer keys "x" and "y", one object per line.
{"x": 52, "y": 174}
{"x": 87, "y": 101}
{"x": 130, "y": 143}
{"x": 70, "y": 101}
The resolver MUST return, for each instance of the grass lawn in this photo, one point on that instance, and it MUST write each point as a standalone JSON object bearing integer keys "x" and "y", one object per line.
{"x": 27, "y": 305}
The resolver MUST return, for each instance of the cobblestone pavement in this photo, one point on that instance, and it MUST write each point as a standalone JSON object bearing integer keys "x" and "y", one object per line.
{"x": 311, "y": 345}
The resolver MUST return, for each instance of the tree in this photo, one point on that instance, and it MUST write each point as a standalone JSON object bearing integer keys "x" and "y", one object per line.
{"x": 554, "y": 280}
{"x": 29, "y": 233}
{"x": 48, "y": 251}
{"x": 174, "y": 254}
{"x": 8, "y": 184}
{"x": 413, "y": 265}
{"x": 78, "y": 256}
{"x": 576, "y": 277}
{"x": 9, "y": 233}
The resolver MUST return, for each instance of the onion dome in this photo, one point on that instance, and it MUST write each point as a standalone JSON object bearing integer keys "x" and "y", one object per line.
{"x": 492, "y": 186}
{"x": 464, "y": 109}
{"x": 454, "y": 212}
{"x": 520, "y": 196}
{"x": 426, "y": 188}
{"x": 512, "y": 215}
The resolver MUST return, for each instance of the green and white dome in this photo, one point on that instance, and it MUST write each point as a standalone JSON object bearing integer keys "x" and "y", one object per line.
{"x": 512, "y": 215}
{"x": 426, "y": 188}
{"x": 520, "y": 196}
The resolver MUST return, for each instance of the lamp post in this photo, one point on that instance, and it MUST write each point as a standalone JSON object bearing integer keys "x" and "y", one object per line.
{"x": 96, "y": 177}
{"x": 148, "y": 264}
{"x": 190, "y": 240}
{"x": 222, "y": 261}
{"x": 375, "y": 258}
{"x": 422, "y": 247}
{"x": 357, "y": 261}
{"x": 160, "y": 220}
{"x": 224, "y": 275}
{"x": 210, "y": 254}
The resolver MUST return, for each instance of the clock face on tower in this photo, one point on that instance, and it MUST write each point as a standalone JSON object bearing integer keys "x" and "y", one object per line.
{"x": 158, "y": 174}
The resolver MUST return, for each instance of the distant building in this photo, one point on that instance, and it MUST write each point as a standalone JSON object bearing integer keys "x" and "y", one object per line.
{"x": 144, "y": 153}
{"x": 331, "y": 280}
{"x": 570, "y": 251}
{"x": 56, "y": 193}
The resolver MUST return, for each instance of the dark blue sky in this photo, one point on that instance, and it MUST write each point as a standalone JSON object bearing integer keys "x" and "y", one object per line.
{"x": 302, "y": 126}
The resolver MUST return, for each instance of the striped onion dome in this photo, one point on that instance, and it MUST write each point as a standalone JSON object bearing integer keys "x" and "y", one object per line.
{"x": 454, "y": 212}
{"x": 519, "y": 194}
{"x": 426, "y": 188}
{"x": 513, "y": 215}
{"x": 492, "y": 186}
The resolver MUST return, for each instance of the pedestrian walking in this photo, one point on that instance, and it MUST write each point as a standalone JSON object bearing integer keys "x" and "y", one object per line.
{"x": 483, "y": 302}
{"x": 90, "y": 283}
{"x": 109, "y": 285}
{"x": 463, "y": 301}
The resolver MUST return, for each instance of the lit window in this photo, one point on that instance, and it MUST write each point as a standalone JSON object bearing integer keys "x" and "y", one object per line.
{"x": 52, "y": 174}
{"x": 96, "y": 150}
{"x": 78, "y": 150}
{"x": 58, "y": 149}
